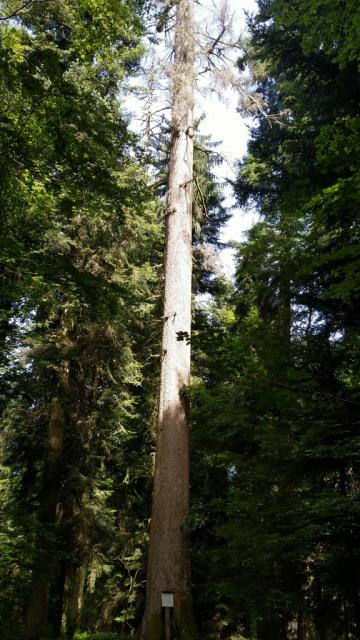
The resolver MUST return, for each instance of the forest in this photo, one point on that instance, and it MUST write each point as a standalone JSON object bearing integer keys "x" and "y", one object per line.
{"x": 137, "y": 500}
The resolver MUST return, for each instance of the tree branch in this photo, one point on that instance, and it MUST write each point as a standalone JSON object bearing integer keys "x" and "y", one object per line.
{"x": 216, "y": 41}
{"x": 202, "y": 197}
{"x": 15, "y": 13}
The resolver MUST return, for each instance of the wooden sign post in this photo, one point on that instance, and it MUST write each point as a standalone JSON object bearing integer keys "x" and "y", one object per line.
{"x": 167, "y": 602}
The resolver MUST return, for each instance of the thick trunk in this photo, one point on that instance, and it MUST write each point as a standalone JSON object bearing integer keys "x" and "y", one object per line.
{"x": 37, "y": 626}
{"x": 300, "y": 624}
{"x": 73, "y": 599}
{"x": 168, "y": 561}
{"x": 57, "y": 596}
{"x": 285, "y": 316}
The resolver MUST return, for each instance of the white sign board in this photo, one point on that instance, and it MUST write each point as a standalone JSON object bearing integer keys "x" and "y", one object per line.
{"x": 167, "y": 599}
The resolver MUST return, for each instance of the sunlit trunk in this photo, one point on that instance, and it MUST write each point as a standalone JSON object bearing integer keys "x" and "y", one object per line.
{"x": 168, "y": 562}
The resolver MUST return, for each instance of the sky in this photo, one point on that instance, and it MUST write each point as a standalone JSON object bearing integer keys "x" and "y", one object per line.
{"x": 225, "y": 124}
{"x": 222, "y": 122}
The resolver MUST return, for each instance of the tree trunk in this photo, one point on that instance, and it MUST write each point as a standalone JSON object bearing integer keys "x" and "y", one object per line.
{"x": 285, "y": 311}
{"x": 37, "y": 626}
{"x": 300, "y": 623}
{"x": 58, "y": 589}
{"x": 168, "y": 560}
{"x": 73, "y": 598}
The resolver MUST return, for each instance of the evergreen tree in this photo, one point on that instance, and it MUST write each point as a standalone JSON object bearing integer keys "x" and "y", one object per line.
{"x": 168, "y": 561}
{"x": 80, "y": 236}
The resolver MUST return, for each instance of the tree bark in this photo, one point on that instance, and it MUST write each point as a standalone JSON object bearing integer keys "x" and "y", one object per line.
{"x": 37, "y": 625}
{"x": 285, "y": 311}
{"x": 300, "y": 623}
{"x": 168, "y": 559}
{"x": 73, "y": 598}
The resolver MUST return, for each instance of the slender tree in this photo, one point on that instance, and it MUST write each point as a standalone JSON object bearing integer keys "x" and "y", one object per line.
{"x": 168, "y": 561}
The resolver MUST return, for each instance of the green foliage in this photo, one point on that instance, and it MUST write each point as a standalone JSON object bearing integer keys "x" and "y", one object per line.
{"x": 80, "y": 254}
{"x": 275, "y": 427}
{"x": 99, "y": 636}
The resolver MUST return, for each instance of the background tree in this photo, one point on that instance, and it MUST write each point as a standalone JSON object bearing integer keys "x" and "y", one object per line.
{"x": 274, "y": 414}
{"x": 80, "y": 236}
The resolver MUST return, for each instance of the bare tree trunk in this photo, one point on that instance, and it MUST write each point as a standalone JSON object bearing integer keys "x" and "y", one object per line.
{"x": 300, "y": 623}
{"x": 58, "y": 589}
{"x": 168, "y": 561}
{"x": 73, "y": 598}
{"x": 37, "y": 626}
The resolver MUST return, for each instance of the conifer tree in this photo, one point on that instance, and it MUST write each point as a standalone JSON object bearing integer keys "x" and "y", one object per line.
{"x": 168, "y": 561}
